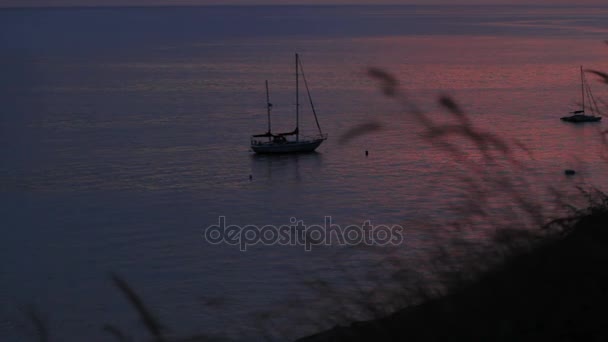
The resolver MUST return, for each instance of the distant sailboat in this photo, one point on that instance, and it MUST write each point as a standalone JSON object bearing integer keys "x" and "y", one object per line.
{"x": 579, "y": 115}
{"x": 270, "y": 142}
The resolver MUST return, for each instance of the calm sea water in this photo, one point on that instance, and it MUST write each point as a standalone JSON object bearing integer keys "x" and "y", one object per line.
{"x": 124, "y": 133}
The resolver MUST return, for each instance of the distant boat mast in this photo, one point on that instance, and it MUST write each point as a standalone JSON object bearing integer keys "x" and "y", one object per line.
{"x": 583, "y": 88}
{"x": 268, "y": 108}
{"x": 297, "y": 97}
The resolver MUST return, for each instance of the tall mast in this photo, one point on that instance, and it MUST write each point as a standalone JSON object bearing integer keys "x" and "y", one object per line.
{"x": 297, "y": 98}
{"x": 268, "y": 106}
{"x": 583, "y": 88}
{"x": 312, "y": 105}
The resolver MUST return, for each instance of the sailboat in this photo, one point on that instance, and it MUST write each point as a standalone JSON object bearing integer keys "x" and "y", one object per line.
{"x": 289, "y": 142}
{"x": 579, "y": 115}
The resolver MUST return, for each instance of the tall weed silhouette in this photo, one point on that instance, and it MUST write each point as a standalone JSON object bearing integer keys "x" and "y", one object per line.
{"x": 523, "y": 222}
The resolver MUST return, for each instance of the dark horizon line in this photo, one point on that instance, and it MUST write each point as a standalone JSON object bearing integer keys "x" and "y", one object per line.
{"x": 289, "y": 5}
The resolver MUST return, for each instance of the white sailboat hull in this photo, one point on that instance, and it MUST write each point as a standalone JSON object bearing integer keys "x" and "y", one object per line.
{"x": 581, "y": 118}
{"x": 301, "y": 146}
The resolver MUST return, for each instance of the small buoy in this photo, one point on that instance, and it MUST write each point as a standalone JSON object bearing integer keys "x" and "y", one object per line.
{"x": 366, "y": 153}
{"x": 569, "y": 172}
{"x": 250, "y": 177}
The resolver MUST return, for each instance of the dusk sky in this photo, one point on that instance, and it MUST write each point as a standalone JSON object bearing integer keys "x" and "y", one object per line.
{"x": 27, "y": 3}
